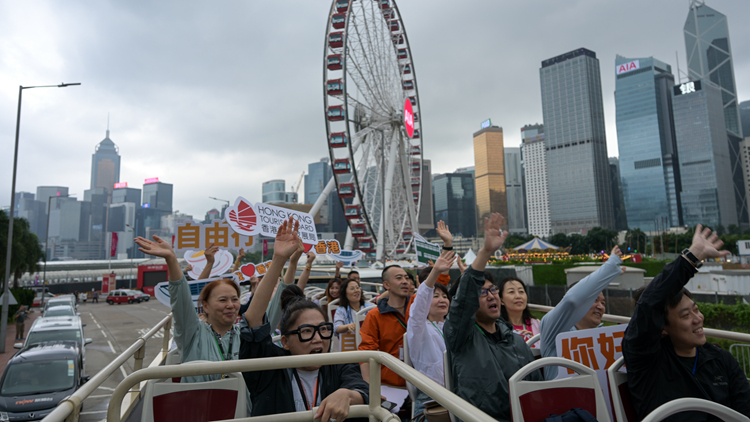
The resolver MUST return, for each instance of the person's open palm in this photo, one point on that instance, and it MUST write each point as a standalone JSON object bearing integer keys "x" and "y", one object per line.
{"x": 210, "y": 252}
{"x": 444, "y": 262}
{"x": 157, "y": 247}
{"x": 494, "y": 237}
{"x": 706, "y": 244}
{"x": 444, "y": 232}
{"x": 286, "y": 238}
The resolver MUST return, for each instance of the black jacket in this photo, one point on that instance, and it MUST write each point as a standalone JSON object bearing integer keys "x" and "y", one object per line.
{"x": 480, "y": 366}
{"x": 655, "y": 373}
{"x": 271, "y": 391}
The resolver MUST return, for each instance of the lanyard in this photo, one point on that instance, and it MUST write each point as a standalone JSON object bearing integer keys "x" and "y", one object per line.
{"x": 400, "y": 321}
{"x": 304, "y": 393}
{"x": 437, "y": 328}
{"x": 228, "y": 355}
{"x": 695, "y": 365}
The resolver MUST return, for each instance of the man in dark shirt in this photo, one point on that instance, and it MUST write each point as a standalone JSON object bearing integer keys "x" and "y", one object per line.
{"x": 665, "y": 349}
{"x": 20, "y": 318}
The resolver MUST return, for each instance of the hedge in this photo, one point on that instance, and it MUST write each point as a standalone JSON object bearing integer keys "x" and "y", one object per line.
{"x": 554, "y": 274}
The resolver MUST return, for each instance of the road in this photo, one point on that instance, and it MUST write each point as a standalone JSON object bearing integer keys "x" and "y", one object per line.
{"x": 114, "y": 328}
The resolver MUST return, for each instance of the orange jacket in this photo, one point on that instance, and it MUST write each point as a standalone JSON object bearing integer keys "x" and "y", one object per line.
{"x": 443, "y": 279}
{"x": 384, "y": 330}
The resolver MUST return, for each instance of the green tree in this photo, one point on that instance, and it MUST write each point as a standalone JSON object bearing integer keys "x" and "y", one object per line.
{"x": 514, "y": 240}
{"x": 26, "y": 251}
{"x": 734, "y": 229}
{"x": 561, "y": 240}
{"x": 636, "y": 240}
{"x": 578, "y": 244}
{"x": 601, "y": 239}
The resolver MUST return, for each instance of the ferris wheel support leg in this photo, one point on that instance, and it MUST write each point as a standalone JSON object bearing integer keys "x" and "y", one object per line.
{"x": 393, "y": 153}
{"x": 349, "y": 242}
{"x": 323, "y": 196}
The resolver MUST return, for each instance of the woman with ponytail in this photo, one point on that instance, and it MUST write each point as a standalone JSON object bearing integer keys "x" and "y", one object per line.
{"x": 304, "y": 331}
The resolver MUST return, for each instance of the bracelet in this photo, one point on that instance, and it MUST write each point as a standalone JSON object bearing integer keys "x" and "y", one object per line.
{"x": 447, "y": 248}
{"x": 309, "y": 267}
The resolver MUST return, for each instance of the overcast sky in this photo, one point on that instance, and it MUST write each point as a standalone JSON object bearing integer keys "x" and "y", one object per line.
{"x": 218, "y": 96}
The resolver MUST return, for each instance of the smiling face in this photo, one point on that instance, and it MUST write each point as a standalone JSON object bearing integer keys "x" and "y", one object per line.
{"x": 333, "y": 290}
{"x": 439, "y": 306}
{"x": 489, "y": 305}
{"x": 514, "y": 297}
{"x": 685, "y": 327}
{"x": 292, "y": 342}
{"x": 396, "y": 282}
{"x": 593, "y": 317}
{"x": 222, "y": 306}
{"x": 353, "y": 293}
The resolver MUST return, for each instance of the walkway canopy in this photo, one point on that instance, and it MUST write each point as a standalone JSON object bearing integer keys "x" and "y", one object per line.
{"x": 535, "y": 244}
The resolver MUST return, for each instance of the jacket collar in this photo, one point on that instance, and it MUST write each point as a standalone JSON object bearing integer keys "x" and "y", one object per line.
{"x": 384, "y": 307}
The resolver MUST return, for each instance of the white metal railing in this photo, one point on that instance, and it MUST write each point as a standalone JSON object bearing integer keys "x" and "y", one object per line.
{"x": 68, "y": 409}
{"x": 741, "y": 352}
{"x": 711, "y": 332}
{"x": 450, "y": 401}
{"x": 378, "y": 286}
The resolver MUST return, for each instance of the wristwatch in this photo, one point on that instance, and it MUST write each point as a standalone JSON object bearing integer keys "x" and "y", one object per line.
{"x": 692, "y": 258}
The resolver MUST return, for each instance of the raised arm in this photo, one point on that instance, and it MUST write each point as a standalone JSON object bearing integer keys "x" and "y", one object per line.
{"x": 159, "y": 248}
{"x": 210, "y": 254}
{"x": 238, "y": 261}
{"x": 302, "y": 283}
{"x": 339, "y": 265}
{"x": 291, "y": 271}
{"x": 284, "y": 247}
{"x": 445, "y": 235}
{"x": 420, "y": 309}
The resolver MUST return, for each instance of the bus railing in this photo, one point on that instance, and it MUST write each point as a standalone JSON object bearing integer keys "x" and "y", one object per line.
{"x": 710, "y": 332}
{"x": 447, "y": 399}
{"x": 68, "y": 409}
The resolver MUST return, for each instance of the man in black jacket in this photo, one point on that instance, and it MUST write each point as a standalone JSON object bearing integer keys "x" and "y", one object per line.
{"x": 665, "y": 350}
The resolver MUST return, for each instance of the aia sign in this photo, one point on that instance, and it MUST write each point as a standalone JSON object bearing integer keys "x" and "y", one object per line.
{"x": 409, "y": 118}
{"x": 627, "y": 67}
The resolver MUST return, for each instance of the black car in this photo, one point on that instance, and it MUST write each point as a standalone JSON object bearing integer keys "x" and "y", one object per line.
{"x": 37, "y": 378}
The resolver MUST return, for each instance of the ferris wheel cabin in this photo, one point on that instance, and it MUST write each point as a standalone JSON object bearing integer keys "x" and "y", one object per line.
{"x": 352, "y": 212}
{"x": 336, "y": 39}
{"x": 346, "y": 190}
{"x": 407, "y": 236}
{"x": 341, "y": 166}
{"x": 364, "y": 244}
{"x": 406, "y": 69}
{"x": 359, "y": 230}
{"x": 415, "y": 195}
{"x": 413, "y": 101}
{"x": 333, "y": 62}
{"x": 342, "y": 6}
{"x": 415, "y": 165}
{"x": 338, "y": 21}
{"x": 408, "y": 85}
{"x": 416, "y": 116}
{"x": 335, "y": 87}
{"x": 416, "y": 134}
{"x": 415, "y": 149}
{"x": 388, "y": 14}
{"x": 335, "y": 113}
{"x": 414, "y": 182}
{"x": 337, "y": 140}
{"x": 402, "y": 54}
{"x": 398, "y": 39}
{"x": 395, "y": 26}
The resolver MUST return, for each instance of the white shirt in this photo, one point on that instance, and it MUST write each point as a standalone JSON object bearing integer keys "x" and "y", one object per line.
{"x": 309, "y": 381}
{"x": 426, "y": 342}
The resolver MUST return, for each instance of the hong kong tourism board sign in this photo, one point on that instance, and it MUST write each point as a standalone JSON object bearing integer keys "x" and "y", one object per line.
{"x": 264, "y": 219}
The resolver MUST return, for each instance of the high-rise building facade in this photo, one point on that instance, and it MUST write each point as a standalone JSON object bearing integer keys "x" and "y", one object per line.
{"x": 705, "y": 162}
{"x": 576, "y": 143}
{"x": 709, "y": 59}
{"x": 274, "y": 192}
{"x": 489, "y": 167}
{"x": 426, "y": 215}
{"x": 127, "y": 195}
{"x": 514, "y": 178}
{"x": 332, "y": 218}
{"x": 618, "y": 202}
{"x": 158, "y": 195}
{"x": 454, "y": 202}
{"x": 649, "y": 169}
{"x": 43, "y": 193}
{"x": 105, "y": 165}
{"x": 535, "y": 172}
{"x": 745, "y": 118}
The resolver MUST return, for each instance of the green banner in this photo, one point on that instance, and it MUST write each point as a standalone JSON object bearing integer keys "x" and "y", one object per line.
{"x": 426, "y": 251}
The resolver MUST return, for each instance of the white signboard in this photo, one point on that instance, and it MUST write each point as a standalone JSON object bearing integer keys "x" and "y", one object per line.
{"x": 197, "y": 237}
{"x": 161, "y": 291}
{"x": 332, "y": 248}
{"x": 223, "y": 261}
{"x": 743, "y": 247}
{"x": 264, "y": 219}
{"x": 627, "y": 67}
{"x": 250, "y": 270}
{"x": 426, "y": 251}
{"x": 597, "y": 348}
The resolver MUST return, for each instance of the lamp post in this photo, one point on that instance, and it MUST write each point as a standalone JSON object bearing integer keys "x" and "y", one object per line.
{"x": 46, "y": 241}
{"x": 6, "y": 293}
{"x": 132, "y": 253}
{"x": 222, "y": 200}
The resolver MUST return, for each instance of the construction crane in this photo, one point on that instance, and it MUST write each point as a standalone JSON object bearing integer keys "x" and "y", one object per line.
{"x": 296, "y": 190}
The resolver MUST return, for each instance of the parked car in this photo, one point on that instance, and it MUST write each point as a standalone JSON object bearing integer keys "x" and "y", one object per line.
{"x": 57, "y": 329}
{"x": 37, "y": 378}
{"x": 139, "y": 296}
{"x": 120, "y": 296}
{"x": 38, "y": 299}
{"x": 59, "y": 311}
{"x": 66, "y": 300}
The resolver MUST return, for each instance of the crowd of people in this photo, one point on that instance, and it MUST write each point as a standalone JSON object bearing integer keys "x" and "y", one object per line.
{"x": 480, "y": 325}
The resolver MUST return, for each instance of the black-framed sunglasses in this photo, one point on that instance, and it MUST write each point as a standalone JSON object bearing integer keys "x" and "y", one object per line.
{"x": 306, "y": 332}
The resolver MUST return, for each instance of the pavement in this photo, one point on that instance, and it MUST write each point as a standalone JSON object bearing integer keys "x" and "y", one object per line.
{"x": 10, "y": 337}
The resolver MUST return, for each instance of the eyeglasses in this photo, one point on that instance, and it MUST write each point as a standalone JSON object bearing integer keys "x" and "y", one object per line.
{"x": 306, "y": 332}
{"x": 483, "y": 292}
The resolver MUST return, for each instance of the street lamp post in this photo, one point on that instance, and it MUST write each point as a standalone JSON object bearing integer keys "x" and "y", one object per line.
{"x": 46, "y": 241}
{"x": 6, "y": 293}
{"x": 132, "y": 254}
{"x": 222, "y": 200}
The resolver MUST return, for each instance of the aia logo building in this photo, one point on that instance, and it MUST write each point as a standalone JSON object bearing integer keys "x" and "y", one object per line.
{"x": 627, "y": 67}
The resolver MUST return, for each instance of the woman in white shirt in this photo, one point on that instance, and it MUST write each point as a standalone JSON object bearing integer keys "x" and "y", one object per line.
{"x": 351, "y": 300}
{"x": 425, "y": 329}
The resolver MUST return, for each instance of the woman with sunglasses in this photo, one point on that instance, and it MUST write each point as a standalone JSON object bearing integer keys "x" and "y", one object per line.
{"x": 304, "y": 331}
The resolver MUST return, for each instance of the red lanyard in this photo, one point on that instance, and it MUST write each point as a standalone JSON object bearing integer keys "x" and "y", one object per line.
{"x": 304, "y": 393}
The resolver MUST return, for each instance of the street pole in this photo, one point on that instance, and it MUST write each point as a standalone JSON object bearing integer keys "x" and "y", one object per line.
{"x": 6, "y": 292}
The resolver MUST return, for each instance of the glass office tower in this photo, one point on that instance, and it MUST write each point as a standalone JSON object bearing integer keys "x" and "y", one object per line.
{"x": 455, "y": 202}
{"x": 649, "y": 170}
{"x": 580, "y": 195}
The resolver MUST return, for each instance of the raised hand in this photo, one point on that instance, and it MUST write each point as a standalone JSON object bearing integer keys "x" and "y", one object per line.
{"x": 157, "y": 247}
{"x": 241, "y": 254}
{"x": 310, "y": 257}
{"x": 706, "y": 244}
{"x": 494, "y": 237}
{"x": 444, "y": 262}
{"x": 287, "y": 238}
{"x": 210, "y": 253}
{"x": 300, "y": 248}
{"x": 339, "y": 265}
{"x": 616, "y": 251}
{"x": 445, "y": 234}
{"x": 461, "y": 264}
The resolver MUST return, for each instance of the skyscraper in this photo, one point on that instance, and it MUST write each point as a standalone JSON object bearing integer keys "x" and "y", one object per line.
{"x": 535, "y": 171}
{"x": 648, "y": 166}
{"x": 618, "y": 202}
{"x": 580, "y": 196}
{"x": 331, "y": 214}
{"x": 709, "y": 58}
{"x": 105, "y": 165}
{"x": 707, "y": 190}
{"x": 454, "y": 202}
{"x": 514, "y": 189}
{"x": 274, "y": 192}
{"x": 489, "y": 165}
{"x": 157, "y": 195}
{"x": 127, "y": 195}
{"x": 426, "y": 212}
{"x": 745, "y": 118}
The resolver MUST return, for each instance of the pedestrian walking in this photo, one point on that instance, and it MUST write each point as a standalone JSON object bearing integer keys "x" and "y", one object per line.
{"x": 95, "y": 296}
{"x": 20, "y": 318}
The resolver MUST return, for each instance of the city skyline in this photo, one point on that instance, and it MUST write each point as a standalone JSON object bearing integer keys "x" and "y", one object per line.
{"x": 188, "y": 98}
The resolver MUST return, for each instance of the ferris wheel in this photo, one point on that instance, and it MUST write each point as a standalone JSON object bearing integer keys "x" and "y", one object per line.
{"x": 373, "y": 125}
